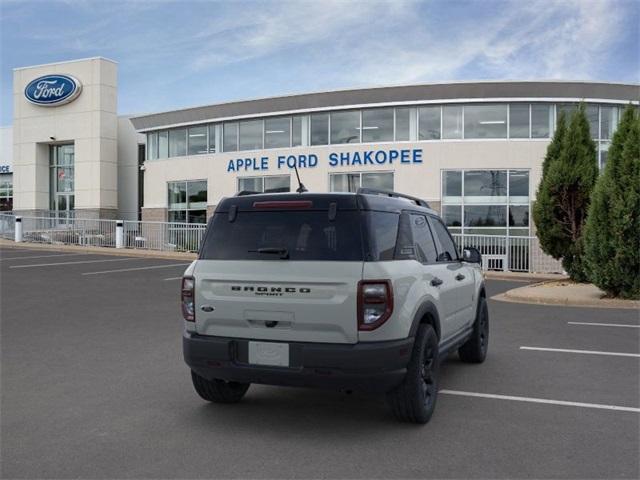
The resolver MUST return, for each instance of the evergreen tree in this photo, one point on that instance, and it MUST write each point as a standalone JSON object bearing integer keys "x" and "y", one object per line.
{"x": 612, "y": 233}
{"x": 564, "y": 194}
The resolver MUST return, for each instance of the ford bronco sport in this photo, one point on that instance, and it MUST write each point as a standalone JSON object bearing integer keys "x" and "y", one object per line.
{"x": 361, "y": 291}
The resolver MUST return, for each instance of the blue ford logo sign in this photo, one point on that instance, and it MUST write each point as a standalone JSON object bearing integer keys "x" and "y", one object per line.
{"x": 53, "y": 90}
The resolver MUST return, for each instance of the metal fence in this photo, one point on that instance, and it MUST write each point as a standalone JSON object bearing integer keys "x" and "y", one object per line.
{"x": 515, "y": 254}
{"x": 7, "y": 226}
{"x": 69, "y": 231}
{"x": 183, "y": 237}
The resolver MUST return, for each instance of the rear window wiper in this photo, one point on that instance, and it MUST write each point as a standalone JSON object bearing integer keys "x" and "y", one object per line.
{"x": 283, "y": 252}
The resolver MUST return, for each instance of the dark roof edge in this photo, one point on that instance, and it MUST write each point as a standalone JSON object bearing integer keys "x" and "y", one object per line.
{"x": 392, "y": 94}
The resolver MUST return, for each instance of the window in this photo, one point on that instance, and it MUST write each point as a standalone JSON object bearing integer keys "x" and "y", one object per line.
{"x": 452, "y": 215}
{"x": 377, "y": 125}
{"x": 519, "y": 120}
{"x": 344, "y": 182}
{"x": 6, "y": 192}
{"x": 345, "y": 127}
{"x": 277, "y": 132}
{"x": 403, "y": 124}
{"x": 481, "y": 186}
{"x": 212, "y": 138}
{"x": 541, "y": 120}
{"x": 519, "y": 186}
{"x": 486, "y": 202}
{"x": 608, "y": 122}
{"x": 197, "y": 140}
{"x": 592, "y": 116}
{"x": 452, "y": 186}
{"x": 251, "y": 135}
{"x": 423, "y": 245}
{"x": 485, "y": 121}
{"x": 350, "y": 182}
{"x": 519, "y": 216}
{"x": 447, "y": 247}
{"x": 61, "y": 179}
{"x": 320, "y": 129}
{"x": 383, "y": 232}
{"x": 429, "y": 123}
{"x": 163, "y": 144}
{"x": 296, "y": 131}
{"x": 272, "y": 184}
{"x": 306, "y": 235}
{"x": 452, "y": 121}
{"x": 152, "y": 146}
{"x": 485, "y": 216}
{"x": 178, "y": 142}
{"x": 187, "y": 201}
{"x": 230, "y": 137}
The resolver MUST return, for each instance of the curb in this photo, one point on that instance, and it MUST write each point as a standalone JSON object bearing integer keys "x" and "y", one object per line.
{"x": 125, "y": 252}
{"x": 513, "y": 296}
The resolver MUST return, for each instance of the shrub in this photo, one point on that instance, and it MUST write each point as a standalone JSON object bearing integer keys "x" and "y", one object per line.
{"x": 612, "y": 233}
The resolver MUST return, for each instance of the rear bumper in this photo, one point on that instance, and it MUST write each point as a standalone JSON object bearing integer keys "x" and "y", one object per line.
{"x": 371, "y": 367}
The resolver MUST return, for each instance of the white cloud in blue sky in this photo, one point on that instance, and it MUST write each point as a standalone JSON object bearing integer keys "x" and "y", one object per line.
{"x": 177, "y": 54}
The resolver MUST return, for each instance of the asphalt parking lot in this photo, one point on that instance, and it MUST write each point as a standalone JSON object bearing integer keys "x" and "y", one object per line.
{"x": 94, "y": 386}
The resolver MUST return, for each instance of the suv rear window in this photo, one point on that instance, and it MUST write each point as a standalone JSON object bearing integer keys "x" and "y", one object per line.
{"x": 303, "y": 235}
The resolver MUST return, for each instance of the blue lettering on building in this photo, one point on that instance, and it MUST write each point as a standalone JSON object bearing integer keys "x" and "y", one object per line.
{"x": 405, "y": 156}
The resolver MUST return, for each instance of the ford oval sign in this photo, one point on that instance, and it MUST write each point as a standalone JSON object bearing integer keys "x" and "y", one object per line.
{"x": 53, "y": 90}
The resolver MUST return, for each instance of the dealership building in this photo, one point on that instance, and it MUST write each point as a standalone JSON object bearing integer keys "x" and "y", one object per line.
{"x": 473, "y": 150}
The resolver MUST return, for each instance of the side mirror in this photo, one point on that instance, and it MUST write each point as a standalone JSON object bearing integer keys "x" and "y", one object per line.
{"x": 471, "y": 255}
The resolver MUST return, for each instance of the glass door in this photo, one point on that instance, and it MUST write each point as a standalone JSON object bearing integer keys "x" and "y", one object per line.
{"x": 62, "y": 177}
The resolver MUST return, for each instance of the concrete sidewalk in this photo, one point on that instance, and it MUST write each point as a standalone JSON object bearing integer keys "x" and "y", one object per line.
{"x": 128, "y": 252}
{"x": 565, "y": 292}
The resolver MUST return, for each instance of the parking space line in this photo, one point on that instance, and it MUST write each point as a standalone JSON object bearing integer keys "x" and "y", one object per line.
{"x": 541, "y": 400}
{"x": 622, "y": 325}
{"x": 42, "y": 256}
{"x": 138, "y": 268}
{"x": 587, "y": 352}
{"x": 172, "y": 278}
{"x": 75, "y": 263}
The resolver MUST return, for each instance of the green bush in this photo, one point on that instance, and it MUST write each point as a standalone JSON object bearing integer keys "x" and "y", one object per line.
{"x": 569, "y": 174}
{"x": 612, "y": 233}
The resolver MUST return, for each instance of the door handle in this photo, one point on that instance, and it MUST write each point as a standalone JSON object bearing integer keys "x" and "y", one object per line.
{"x": 207, "y": 308}
{"x": 460, "y": 277}
{"x": 436, "y": 282}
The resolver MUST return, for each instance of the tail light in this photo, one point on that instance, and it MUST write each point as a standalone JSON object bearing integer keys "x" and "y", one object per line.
{"x": 187, "y": 298}
{"x": 375, "y": 303}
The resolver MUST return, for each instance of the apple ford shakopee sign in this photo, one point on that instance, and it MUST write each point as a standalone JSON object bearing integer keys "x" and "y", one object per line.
{"x": 53, "y": 90}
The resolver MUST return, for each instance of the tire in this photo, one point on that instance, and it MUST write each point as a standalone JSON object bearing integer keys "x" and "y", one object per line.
{"x": 414, "y": 400}
{"x": 219, "y": 391}
{"x": 475, "y": 349}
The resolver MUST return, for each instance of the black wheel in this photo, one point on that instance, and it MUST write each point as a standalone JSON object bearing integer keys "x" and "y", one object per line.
{"x": 414, "y": 400}
{"x": 219, "y": 391}
{"x": 475, "y": 349}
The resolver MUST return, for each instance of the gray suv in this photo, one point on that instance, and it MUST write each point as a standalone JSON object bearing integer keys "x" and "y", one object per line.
{"x": 352, "y": 291}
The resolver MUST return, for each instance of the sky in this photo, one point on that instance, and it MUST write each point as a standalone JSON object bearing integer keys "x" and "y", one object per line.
{"x": 176, "y": 54}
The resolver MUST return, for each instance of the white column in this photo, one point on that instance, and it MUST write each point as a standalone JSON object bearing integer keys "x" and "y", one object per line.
{"x": 119, "y": 234}
{"x": 18, "y": 230}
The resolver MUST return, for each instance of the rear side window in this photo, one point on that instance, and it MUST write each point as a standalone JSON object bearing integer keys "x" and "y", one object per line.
{"x": 382, "y": 231}
{"x": 423, "y": 241}
{"x": 447, "y": 247}
{"x": 304, "y": 235}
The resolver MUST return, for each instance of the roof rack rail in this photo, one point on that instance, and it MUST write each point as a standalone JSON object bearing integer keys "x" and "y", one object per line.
{"x": 390, "y": 193}
{"x": 246, "y": 192}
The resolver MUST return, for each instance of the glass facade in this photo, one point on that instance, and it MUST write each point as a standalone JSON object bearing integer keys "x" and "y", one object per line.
{"x": 6, "y": 192}
{"x": 61, "y": 179}
{"x": 383, "y": 124}
{"x": 350, "y": 182}
{"x": 187, "y": 201}
{"x": 488, "y": 202}
{"x": 270, "y": 184}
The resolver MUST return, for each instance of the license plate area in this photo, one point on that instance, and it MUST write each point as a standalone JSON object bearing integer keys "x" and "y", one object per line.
{"x": 269, "y": 353}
